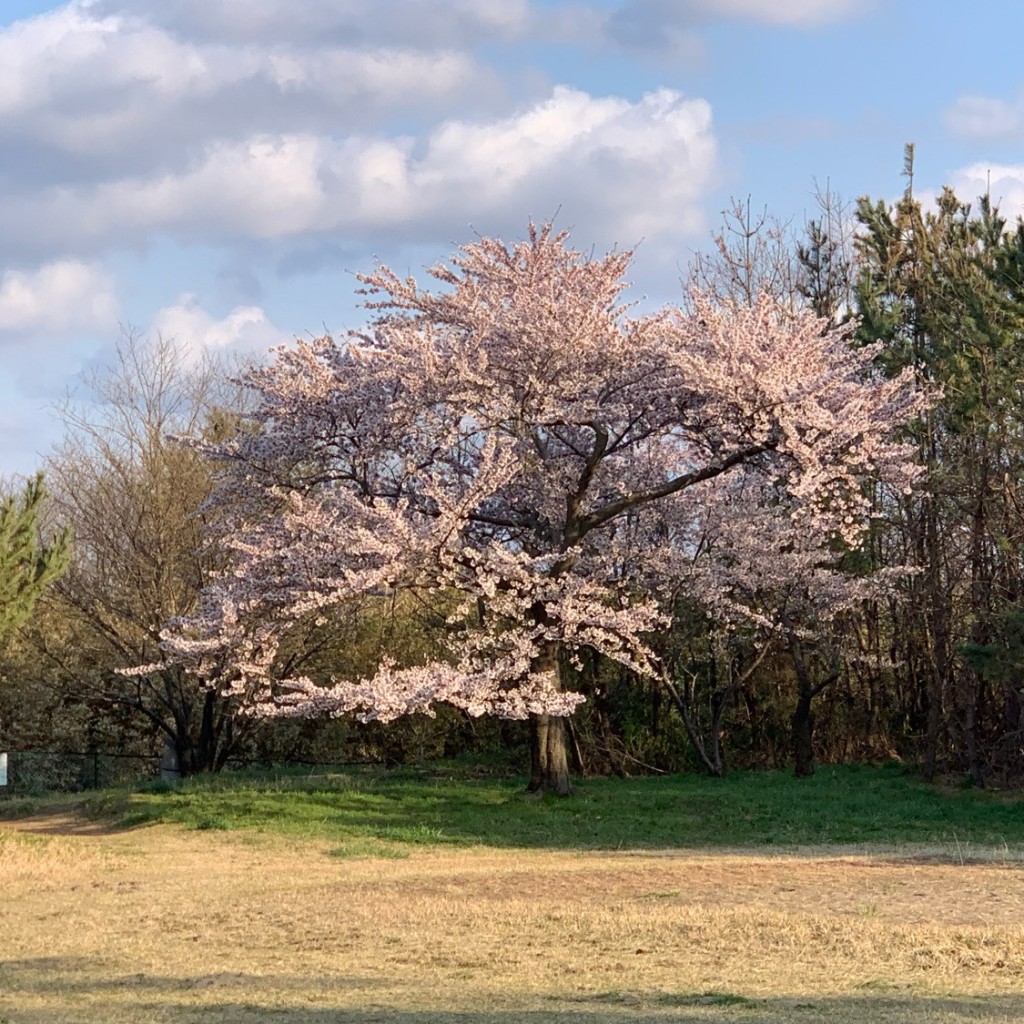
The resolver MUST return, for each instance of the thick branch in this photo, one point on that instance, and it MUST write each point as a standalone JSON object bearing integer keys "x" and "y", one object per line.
{"x": 574, "y": 501}
{"x": 680, "y": 483}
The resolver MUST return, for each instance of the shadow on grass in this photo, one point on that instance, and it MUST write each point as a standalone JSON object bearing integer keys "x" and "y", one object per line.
{"x": 76, "y": 977}
{"x": 839, "y": 806}
{"x": 56, "y": 986}
{"x": 70, "y": 822}
{"x": 852, "y": 806}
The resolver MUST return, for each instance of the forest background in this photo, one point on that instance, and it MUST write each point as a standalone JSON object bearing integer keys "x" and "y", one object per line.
{"x": 929, "y": 673}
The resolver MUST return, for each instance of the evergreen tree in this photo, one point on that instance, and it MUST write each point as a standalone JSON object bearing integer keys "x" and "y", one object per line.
{"x": 942, "y": 290}
{"x": 26, "y": 565}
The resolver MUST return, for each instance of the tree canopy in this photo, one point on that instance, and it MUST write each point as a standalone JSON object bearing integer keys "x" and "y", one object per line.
{"x": 517, "y": 442}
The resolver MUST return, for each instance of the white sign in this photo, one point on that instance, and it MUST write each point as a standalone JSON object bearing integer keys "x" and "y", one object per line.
{"x": 3, "y": 769}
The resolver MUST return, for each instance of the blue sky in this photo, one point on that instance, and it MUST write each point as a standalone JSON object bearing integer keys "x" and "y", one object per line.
{"x": 216, "y": 170}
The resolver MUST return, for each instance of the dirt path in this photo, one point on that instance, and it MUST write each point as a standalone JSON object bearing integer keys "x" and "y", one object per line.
{"x": 58, "y": 823}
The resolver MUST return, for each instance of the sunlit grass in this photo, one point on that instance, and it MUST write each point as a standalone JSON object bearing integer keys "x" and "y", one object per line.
{"x": 425, "y": 898}
{"x": 839, "y": 806}
{"x": 233, "y": 926}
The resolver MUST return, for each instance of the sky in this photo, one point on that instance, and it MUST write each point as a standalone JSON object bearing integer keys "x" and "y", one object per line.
{"x": 216, "y": 171}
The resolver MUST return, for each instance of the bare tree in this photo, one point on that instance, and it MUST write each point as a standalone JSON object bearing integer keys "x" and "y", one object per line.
{"x": 758, "y": 253}
{"x": 132, "y": 496}
{"x": 753, "y": 254}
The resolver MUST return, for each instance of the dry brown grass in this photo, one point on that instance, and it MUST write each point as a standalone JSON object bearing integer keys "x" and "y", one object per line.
{"x": 159, "y": 925}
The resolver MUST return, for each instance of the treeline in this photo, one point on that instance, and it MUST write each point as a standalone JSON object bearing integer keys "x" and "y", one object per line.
{"x": 929, "y": 671}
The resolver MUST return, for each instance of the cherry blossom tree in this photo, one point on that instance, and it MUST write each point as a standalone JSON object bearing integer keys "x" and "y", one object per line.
{"x": 511, "y": 444}
{"x": 793, "y": 590}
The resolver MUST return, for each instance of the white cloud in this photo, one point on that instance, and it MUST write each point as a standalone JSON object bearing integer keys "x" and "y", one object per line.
{"x": 246, "y": 330}
{"x": 1003, "y": 182}
{"x": 981, "y": 117}
{"x": 415, "y": 23}
{"x": 669, "y": 27}
{"x": 461, "y": 24}
{"x": 215, "y": 123}
{"x": 116, "y": 91}
{"x": 50, "y": 316}
{"x": 782, "y": 12}
{"x": 625, "y": 170}
{"x": 57, "y": 296}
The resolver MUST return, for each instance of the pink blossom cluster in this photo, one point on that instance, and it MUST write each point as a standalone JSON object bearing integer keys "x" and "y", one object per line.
{"x": 517, "y": 439}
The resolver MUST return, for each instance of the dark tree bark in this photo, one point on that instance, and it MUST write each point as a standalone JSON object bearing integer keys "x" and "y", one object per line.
{"x": 709, "y": 747}
{"x": 802, "y": 735}
{"x": 802, "y": 721}
{"x": 549, "y": 758}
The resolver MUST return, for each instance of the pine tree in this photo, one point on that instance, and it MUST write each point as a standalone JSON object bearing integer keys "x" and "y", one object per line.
{"x": 942, "y": 289}
{"x": 27, "y": 566}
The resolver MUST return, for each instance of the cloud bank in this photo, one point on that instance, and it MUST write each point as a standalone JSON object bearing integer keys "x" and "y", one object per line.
{"x": 194, "y": 122}
{"x": 250, "y": 144}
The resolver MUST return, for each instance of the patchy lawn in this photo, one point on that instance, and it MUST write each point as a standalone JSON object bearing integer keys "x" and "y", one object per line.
{"x": 162, "y": 924}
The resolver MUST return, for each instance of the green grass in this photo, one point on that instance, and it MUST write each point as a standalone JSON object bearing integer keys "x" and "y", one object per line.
{"x": 394, "y": 810}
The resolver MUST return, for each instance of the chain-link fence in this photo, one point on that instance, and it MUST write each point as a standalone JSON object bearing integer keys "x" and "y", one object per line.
{"x": 32, "y": 772}
{"x": 36, "y": 772}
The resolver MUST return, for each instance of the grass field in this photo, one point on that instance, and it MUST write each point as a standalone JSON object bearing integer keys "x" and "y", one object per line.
{"x": 402, "y": 809}
{"x": 860, "y": 896}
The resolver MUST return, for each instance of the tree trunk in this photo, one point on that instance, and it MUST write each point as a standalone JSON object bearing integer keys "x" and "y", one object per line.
{"x": 937, "y": 617}
{"x": 802, "y": 735}
{"x": 802, "y": 722}
{"x": 975, "y": 771}
{"x": 201, "y": 728}
{"x": 170, "y": 762}
{"x": 933, "y": 727}
{"x": 549, "y": 760}
{"x": 712, "y": 762}
{"x": 549, "y": 756}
